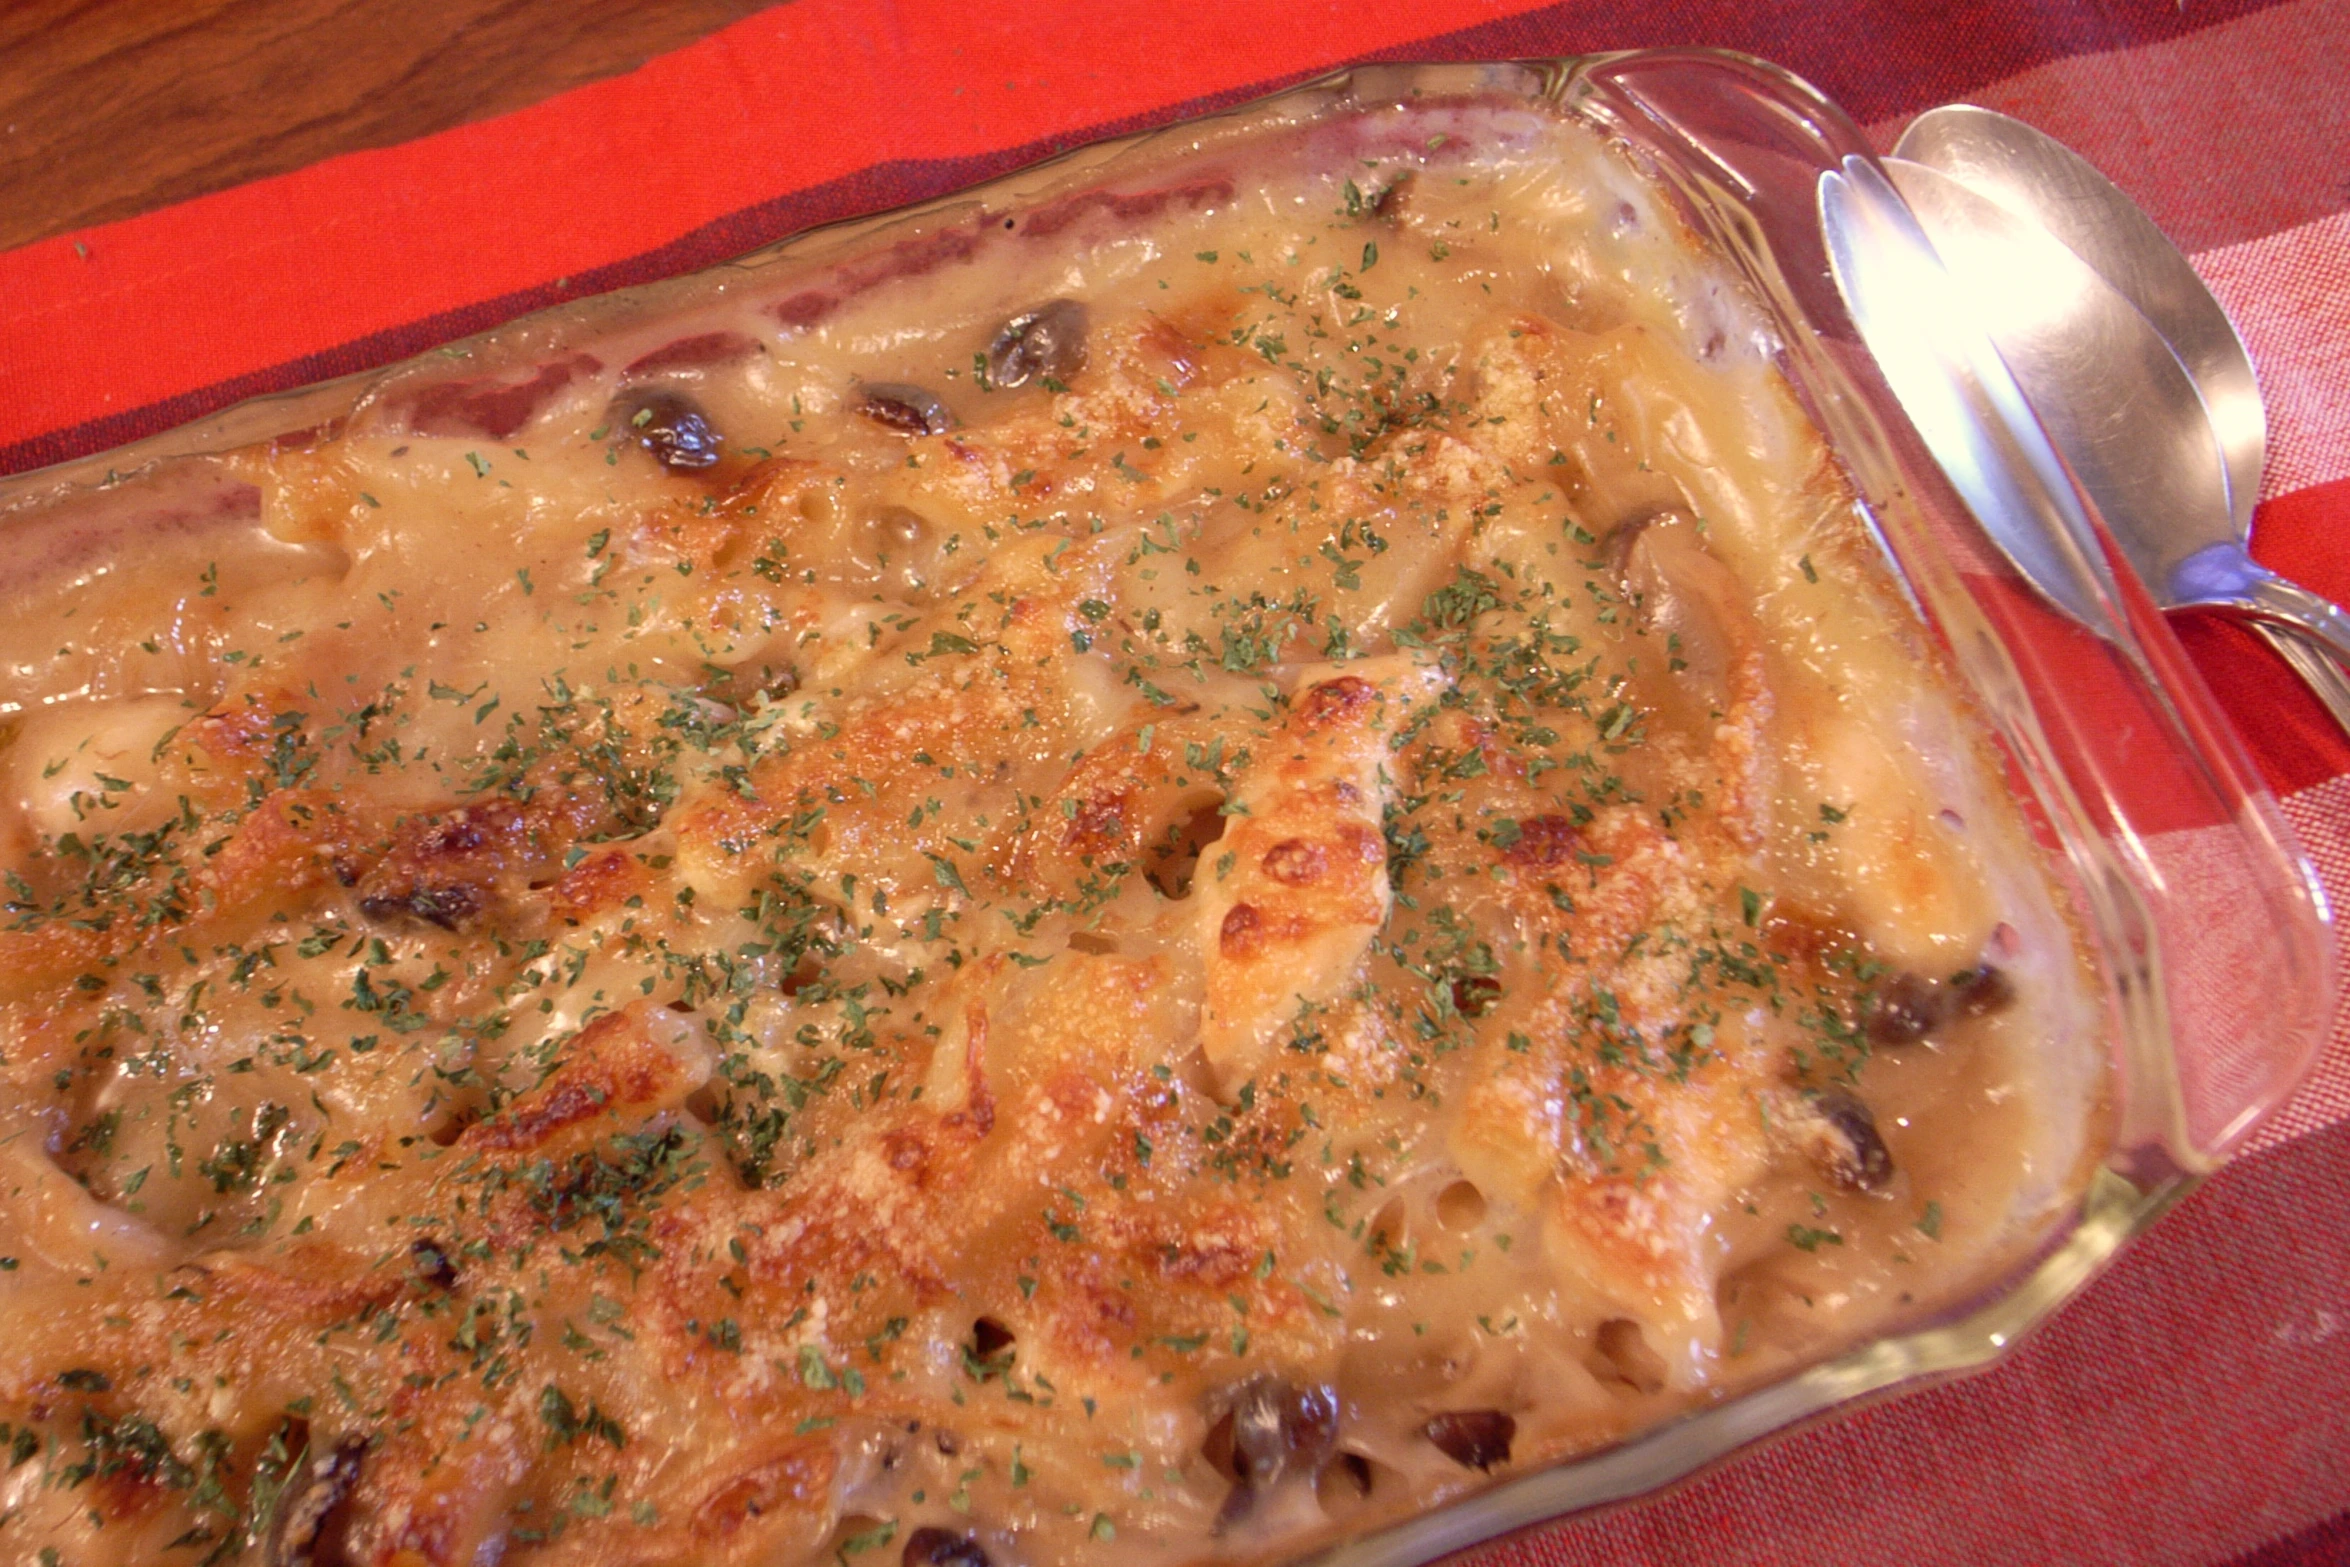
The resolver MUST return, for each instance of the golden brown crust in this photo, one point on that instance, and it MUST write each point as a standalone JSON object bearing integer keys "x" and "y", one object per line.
{"x": 732, "y": 960}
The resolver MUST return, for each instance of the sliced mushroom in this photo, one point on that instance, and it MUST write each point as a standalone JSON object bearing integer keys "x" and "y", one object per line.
{"x": 1280, "y": 1429}
{"x": 1904, "y": 1009}
{"x": 1981, "y": 991}
{"x": 1473, "y": 1438}
{"x": 1846, "y": 1144}
{"x": 448, "y": 868}
{"x": 1047, "y": 342}
{"x": 310, "y": 1497}
{"x": 451, "y": 907}
{"x": 672, "y": 427}
{"x": 1272, "y": 1430}
{"x": 933, "y": 1547}
{"x": 909, "y": 410}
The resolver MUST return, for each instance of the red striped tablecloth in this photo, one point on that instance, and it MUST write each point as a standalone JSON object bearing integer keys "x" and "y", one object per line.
{"x": 2194, "y": 1407}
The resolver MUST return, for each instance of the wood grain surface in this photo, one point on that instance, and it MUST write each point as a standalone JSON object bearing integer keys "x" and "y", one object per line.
{"x": 112, "y": 107}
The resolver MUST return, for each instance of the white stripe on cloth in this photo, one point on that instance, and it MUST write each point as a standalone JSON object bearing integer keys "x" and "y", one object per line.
{"x": 2289, "y": 295}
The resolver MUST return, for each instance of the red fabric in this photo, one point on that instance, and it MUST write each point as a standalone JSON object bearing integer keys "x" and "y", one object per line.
{"x": 2190, "y": 1408}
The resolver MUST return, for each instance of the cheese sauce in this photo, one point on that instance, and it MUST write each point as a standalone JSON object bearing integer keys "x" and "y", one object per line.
{"x": 1169, "y": 873}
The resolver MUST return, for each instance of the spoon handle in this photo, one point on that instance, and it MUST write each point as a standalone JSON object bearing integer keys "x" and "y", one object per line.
{"x": 2277, "y": 601}
{"x": 2324, "y": 677}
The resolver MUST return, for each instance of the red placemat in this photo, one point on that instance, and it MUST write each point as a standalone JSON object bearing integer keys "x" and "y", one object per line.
{"x": 2194, "y": 1407}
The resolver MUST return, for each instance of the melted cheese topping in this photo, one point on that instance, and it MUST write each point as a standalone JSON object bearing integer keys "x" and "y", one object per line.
{"x": 717, "y": 937}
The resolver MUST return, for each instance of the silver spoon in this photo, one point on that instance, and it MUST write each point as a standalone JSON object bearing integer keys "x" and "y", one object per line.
{"x": 1960, "y": 393}
{"x": 2035, "y": 177}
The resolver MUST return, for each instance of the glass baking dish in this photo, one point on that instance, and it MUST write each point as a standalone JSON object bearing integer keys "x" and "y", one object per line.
{"x": 2207, "y": 931}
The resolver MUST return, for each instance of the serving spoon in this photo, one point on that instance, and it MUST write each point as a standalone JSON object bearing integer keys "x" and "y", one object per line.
{"x": 1958, "y": 391}
{"x": 2195, "y": 546}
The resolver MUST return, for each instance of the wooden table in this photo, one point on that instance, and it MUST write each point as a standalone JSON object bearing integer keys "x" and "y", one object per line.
{"x": 115, "y": 107}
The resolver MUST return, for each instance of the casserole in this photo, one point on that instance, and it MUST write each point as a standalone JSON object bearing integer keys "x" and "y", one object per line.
{"x": 2147, "y": 1077}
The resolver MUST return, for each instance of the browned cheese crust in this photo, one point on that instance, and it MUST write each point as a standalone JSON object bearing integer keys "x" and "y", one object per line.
{"x": 1172, "y": 874}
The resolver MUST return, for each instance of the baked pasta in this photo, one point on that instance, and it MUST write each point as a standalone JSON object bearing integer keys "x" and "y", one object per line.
{"x": 1152, "y": 875}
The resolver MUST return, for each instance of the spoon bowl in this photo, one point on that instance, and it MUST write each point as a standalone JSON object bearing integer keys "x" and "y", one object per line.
{"x": 2032, "y": 178}
{"x": 2040, "y": 179}
{"x": 2111, "y": 395}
